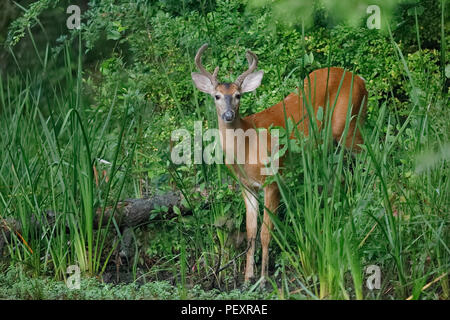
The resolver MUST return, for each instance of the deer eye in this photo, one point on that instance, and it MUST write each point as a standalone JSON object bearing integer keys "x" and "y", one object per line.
{"x": 238, "y": 96}
{"x": 217, "y": 97}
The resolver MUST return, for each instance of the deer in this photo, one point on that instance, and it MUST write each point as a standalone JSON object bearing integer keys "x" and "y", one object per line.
{"x": 320, "y": 87}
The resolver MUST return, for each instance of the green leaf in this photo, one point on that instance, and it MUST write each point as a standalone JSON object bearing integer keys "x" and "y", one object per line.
{"x": 306, "y": 58}
{"x": 280, "y": 153}
{"x": 417, "y": 95}
{"x": 290, "y": 126}
{"x": 220, "y": 221}
{"x": 113, "y": 35}
{"x": 227, "y": 207}
{"x": 294, "y": 146}
{"x": 281, "y": 132}
{"x": 177, "y": 210}
{"x": 319, "y": 114}
{"x": 419, "y": 11}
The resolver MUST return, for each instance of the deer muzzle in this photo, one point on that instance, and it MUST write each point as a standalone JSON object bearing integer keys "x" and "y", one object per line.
{"x": 228, "y": 116}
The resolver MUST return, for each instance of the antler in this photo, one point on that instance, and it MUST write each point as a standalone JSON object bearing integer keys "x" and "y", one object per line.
{"x": 253, "y": 62}
{"x": 198, "y": 63}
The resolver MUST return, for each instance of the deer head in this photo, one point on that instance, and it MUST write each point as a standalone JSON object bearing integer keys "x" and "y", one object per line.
{"x": 227, "y": 95}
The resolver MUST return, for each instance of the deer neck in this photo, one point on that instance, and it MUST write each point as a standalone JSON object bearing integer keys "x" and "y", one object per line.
{"x": 237, "y": 124}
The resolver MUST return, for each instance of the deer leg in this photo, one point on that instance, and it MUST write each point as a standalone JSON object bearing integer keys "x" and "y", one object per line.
{"x": 353, "y": 138}
{"x": 252, "y": 206}
{"x": 271, "y": 201}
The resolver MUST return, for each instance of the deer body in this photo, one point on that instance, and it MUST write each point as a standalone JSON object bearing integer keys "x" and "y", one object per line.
{"x": 317, "y": 94}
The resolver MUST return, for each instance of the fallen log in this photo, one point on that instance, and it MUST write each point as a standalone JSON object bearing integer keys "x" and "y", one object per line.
{"x": 129, "y": 213}
{"x": 135, "y": 212}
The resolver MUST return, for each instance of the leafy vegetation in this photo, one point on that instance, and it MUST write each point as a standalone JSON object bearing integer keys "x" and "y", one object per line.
{"x": 15, "y": 284}
{"x": 109, "y": 95}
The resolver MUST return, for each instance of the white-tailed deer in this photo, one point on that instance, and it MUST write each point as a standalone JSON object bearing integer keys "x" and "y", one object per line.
{"x": 321, "y": 88}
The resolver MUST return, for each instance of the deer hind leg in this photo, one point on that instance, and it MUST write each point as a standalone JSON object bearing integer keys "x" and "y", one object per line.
{"x": 271, "y": 201}
{"x": 354, "y": 137}
{"x": 252, "y": 208}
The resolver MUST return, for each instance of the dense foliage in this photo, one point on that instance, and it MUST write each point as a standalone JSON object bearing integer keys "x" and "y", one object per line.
{"x": 115, "y": 89}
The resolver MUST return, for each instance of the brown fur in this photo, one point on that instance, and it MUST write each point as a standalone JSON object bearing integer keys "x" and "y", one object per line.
{"x": 227, "y": 88}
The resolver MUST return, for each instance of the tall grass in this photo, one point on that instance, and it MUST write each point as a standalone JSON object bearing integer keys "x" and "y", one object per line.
{"x": 51, "y": 145}
{"x": 344, "y": 213}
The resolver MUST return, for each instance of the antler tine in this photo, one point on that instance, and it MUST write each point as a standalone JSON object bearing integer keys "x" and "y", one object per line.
{"x": 216, "y": 71}
{"x": 249, "y": 57}
{"x": 253, "y": 62}
{"x": 198, "y": 63}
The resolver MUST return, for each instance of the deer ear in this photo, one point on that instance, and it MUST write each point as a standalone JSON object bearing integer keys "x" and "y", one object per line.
{"x": 252, "y": 81}
{"x": 202, "y": 83}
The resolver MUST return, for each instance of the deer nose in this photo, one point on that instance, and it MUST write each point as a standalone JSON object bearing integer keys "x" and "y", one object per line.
{"x": 228, "y": 116}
